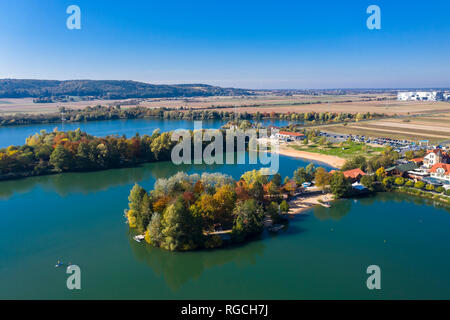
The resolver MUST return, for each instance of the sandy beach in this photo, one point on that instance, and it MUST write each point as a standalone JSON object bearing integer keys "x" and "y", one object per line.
{"x": 302, "y": 203}
{"x": 334, "y": 161}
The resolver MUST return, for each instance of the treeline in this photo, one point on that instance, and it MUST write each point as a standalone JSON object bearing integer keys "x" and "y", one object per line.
{"x": 184, "y": 212}
{"x": 54, "y": 152}
{"x": 116, "y": 112}
{"x": 71, "y": 151}
{"x": 107, "y": 89}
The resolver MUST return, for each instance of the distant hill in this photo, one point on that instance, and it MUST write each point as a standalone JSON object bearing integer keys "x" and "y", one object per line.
{"x": 107, "y": 89}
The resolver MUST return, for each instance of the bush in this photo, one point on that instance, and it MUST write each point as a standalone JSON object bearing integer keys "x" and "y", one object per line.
{"x": 440, "y": 189}
{"x": 419, "y": 185}
{"x": 409, "y": 183}
{"x": 429, "y": 187}
{"x": 447, "y": 192}
{"x": 213, "y": 241}
{"x": 400, "y": 181}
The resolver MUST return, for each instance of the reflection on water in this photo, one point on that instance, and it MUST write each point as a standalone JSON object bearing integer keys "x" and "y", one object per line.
{"x": 179, "y": 267}
{"x": 87, "y": 182}
{"x": 338, "y": 210}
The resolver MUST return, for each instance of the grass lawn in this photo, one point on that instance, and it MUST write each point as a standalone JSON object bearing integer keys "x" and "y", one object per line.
{"x": 348, "y": 150}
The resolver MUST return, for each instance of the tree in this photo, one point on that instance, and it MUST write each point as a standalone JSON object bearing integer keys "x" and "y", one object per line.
{"x": 356, "y": 162}
{"x": 388, "y": 182}
{"x": 419, "y": 185}
{"x": 440, "y": 189}
{"x": 429, "y": 187}
{"x": 153, "y": 235}
{"x": 60, "y": 158}
{"x": 380, "y": 173}
{"x": 225, "y": 199}
{"x": 311, "y": 169}
{"x": 409, "y": 183}
{"x": 301, "y": 176}
{"x": 276, "y": 180}
{"x": 399, "y": 181}
{"x": 284, "y": 207}
{"x": 180, "y": 230}
{"x": 368, "y": 182}
{"x": 322, "y": 178}
{"x": 273, "y": 211}
{"x": 248, "y": 220}
{"x": 339, "y": 185}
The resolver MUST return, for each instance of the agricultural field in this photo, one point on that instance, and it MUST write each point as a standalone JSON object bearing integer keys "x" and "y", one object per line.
{"x": 433, "y": 126}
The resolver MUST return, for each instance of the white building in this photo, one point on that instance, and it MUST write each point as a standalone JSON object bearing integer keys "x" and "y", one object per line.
{"x": 289, "y": 136}
{"x": 441, "y": 171}
{"x": 417, "y": 96}
{"x": 434, "y": 157}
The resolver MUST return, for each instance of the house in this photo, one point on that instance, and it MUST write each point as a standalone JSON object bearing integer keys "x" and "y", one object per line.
{"x": 289, "y": 136}
{"x": 418, "y": 161}
{"x": 401, "y": 170}
{"x": 417, "y": 96}
{"x": 441, "y": 171}
{"x": 354, "y": 174}
{"x": 435, "y": 156}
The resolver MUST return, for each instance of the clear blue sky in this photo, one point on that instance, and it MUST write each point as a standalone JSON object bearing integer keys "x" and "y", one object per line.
{"x": 250, "y": 44}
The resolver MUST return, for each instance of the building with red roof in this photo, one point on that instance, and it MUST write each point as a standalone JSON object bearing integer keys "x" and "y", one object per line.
{"x": 441, "y": 171}
{"x": 354, "y": 174}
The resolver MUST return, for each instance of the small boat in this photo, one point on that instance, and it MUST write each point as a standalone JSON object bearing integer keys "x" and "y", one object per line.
{"x": 276, "y": 228}
{"x": 139, "y": 237}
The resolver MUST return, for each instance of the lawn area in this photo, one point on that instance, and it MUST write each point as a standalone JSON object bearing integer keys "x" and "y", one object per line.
{"x": 346, "y": 150}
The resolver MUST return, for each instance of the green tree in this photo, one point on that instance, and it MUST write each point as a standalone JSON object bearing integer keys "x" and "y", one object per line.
{"x": 322, "y": 178}
{"x": 181, "y": 231}
{"x": 368, "y": 182}
{"x": 248, "y": 220}
{"x": 60, "y": 158}
{"x": 154, "y": 235}
{"x": 284, "y": 207}
{"x": 339, "y": 185}
{"x": 409, "y": 183}
{"x": 419, "y": 185}
{"x": 440, "y": 189}
{"x": 273, "y": 211}
{"x": 399, "y": 181}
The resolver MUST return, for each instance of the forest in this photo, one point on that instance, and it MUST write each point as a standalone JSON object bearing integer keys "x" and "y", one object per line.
{"x": 187, "y": 212}
{"x": 107, "y": 89}
{"x": 98, "y": 113}
{"x": 57, "y": 151}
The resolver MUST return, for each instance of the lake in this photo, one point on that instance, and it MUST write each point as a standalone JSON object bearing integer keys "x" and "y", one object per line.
{"x": 78, "y": 218}
{"x": 16, "y": 135}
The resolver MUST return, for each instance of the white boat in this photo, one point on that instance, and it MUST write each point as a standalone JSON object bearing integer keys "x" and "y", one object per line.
{"x": 139, "y": 237}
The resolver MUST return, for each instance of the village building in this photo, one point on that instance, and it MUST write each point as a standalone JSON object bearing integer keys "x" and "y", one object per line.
{"x": 354, "y": 174}
{"x": 435, "y": 156}
{"x": 289, "y": 136}
{"x": 441, "y": 171}
{"x": 417, "y": 96}
{"x": 401, "y": 170}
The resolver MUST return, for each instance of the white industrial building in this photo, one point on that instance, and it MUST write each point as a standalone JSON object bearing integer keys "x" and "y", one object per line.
{"x": 417, "y": 96}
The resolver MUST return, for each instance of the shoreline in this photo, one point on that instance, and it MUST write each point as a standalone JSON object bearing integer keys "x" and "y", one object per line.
{"x": 333, "y": 161}
{"x": 302, "y": 203}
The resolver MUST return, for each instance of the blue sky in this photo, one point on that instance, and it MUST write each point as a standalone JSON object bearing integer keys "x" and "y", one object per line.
{"x": 249, "y": 44}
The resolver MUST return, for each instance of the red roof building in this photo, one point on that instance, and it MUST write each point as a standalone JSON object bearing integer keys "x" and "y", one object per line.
{"x": 441, "y": 171}
{"x": 354, "y": 173}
